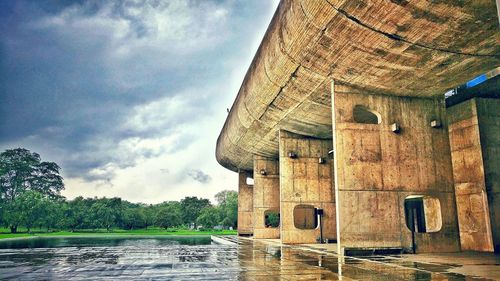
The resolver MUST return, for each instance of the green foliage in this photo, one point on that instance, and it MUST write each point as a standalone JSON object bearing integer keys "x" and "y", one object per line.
{"x": 21, "y": 170}
{"x": 28, "y": 209}
{"x": 106, "y": 212}
{"x": 272, "y": 219}
{"x": 209, "y": 217}
{"x": 30, "y": 198}
{"x": 228, "y": 204}
{"x": 134, "y": 218}
{"x": 169, "y": 215}
{"x": 116, "y": 232}
{"x": 191, "y": 208}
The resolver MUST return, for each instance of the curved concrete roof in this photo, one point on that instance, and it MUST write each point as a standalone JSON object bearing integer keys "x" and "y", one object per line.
{"x": 413, "y": 48}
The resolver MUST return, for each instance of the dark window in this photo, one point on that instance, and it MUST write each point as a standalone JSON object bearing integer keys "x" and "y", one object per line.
{"x": 305, "y": 217}
{"x": 364, "y": 115}
{"x": 423, "y": 214}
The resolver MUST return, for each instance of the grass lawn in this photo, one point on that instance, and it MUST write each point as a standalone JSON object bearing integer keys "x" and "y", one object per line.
{"x": 5, "y": 233}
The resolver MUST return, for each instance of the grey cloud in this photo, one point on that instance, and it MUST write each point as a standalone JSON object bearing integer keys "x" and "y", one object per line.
{"x": 199, "y": 175}
{"x": 99, "y": 85}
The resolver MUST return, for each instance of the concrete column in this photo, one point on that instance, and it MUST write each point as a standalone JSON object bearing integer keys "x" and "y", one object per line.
{"x": 245, "y": 205}
{"x": 489, "y": 120}
{"x": 474, "y": 150}
{"x": 304, "y": 181}
{"x": 266, "y": 194}
{"x": 383, "y": 162}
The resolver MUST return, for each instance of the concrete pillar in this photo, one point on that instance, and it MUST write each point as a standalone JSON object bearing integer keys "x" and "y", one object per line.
{"x": 305, "y": 180}
{"x": 266, "y": 194}
{"x": 473, "y": 125}
{"x": 245, "y": 205}
{"x": 380, "y": 164}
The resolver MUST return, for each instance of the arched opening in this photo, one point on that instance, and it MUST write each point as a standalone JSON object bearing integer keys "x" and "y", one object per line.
{"x": 364, "y": 115}
{"x": 305, "y": 217}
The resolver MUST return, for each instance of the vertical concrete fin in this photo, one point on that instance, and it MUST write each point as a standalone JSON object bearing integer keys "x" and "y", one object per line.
{"x": 266, "y": 194}
{"x": 335, "y": 171}
{"x": 245, "y": 205}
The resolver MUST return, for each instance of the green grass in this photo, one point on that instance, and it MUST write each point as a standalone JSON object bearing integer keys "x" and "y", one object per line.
{"x": 5, "y": 233}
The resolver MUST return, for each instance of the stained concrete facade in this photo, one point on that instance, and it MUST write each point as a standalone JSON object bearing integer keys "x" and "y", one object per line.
{"x": 266, "y": 196}
{"x": 304, "y": 181}
{"x": 475, "y": 141}
{"x": 245, "y": 205}
{"x": 379, "y": 168}
{"x": 392, "y": 182}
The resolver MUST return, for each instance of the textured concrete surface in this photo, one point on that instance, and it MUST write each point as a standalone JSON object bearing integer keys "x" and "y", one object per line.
{"x": 392, "y": 62}
{"x": 489, "y": 130}
{"x": 305, "y": 181}
{"x": 406, "y": 48}
{"x": 320, "y": 262}
{"x": 378, "y": 169}
{"x": 245, "y": 205}
{"x": 266, "y": 196}
{"x": 469, "y": 176}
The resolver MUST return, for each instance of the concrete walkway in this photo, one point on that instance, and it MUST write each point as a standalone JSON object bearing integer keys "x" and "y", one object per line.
{"x": 268, "y": 259}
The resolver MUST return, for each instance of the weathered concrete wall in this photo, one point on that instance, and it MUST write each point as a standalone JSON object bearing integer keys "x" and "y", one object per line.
{"x": 469, "y": 177}
{"x": 489, "y": 129}
{"x": 303, "y": 180}
{"x": 245, "y": 205}
{"x": 378, "y": 169}
{"x": 384, "y": 47}
{"x": 266, "y": 195}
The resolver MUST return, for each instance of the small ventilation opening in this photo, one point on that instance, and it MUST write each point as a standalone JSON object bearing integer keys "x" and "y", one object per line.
{"x": 364, "y": 115}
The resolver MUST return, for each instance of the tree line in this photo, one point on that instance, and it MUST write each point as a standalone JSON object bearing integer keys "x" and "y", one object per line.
{"x": 30, "y": 197}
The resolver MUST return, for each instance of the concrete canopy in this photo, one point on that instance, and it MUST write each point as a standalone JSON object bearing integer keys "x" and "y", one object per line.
{"x": 403, "y": 48}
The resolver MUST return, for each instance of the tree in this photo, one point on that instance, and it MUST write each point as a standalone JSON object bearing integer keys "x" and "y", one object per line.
{"x": 106, "y": 212}
{"x": 52, "y": 213}
{"x": 149, "y": 214}
{"x": 209, "y": 217}
{"x": 168, "y": 215}
{"x": 191, "y": 208}
{"x": 75, "y": 213}
{"x": 26, "y": 209}
{"x": 228, "y": 203}
{"x": 133, "y": 218}
{"x": 21, "y": 170}
{"x": 223, "y": 196}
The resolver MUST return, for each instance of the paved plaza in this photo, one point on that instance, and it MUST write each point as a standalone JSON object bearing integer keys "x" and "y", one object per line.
{"x": 237, "y": 259}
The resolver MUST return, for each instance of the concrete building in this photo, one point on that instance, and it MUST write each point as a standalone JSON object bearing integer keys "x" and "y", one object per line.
{"x": 342, "y": 123}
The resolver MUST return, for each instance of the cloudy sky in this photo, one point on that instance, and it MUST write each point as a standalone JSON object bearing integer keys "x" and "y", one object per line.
{"x": 128, "y": 97}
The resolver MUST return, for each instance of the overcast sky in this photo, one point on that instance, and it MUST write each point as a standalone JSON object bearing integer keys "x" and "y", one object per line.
{"x": 128, "y": 97}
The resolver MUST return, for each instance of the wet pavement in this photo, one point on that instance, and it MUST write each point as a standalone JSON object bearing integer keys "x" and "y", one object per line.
{"x": 243, "y": 259}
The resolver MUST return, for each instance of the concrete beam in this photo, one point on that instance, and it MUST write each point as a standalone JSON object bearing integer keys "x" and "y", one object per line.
{"x": 400, "y": 48}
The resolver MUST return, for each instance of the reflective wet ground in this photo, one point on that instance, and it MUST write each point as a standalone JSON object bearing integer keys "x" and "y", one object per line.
{"x": 200, "y": 259}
